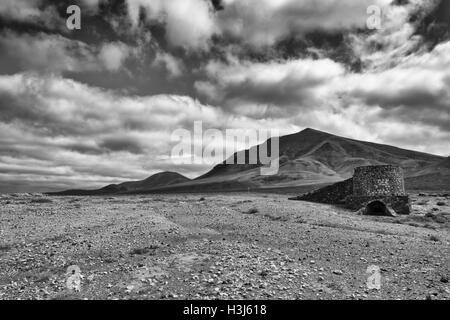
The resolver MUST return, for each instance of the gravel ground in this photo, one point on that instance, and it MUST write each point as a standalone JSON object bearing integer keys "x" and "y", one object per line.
{"x": 229, "y": 246}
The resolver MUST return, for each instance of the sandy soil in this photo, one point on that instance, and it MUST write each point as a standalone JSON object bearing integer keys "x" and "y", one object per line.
{"x": 232, "y": 246}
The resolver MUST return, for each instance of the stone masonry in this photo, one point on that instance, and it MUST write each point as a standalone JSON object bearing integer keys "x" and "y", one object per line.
{"x": 378, "y": 180}
{"x": 370, "y": 187}
{"x": 379, "y": 183}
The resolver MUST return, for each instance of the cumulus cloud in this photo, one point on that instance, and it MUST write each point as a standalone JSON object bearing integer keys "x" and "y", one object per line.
{"x": 416, "y": 90}
{"x": 254, "y": 22}
{"x": 45, "y": 52}
{"x": 173, "y": 65}
{"x": 189, "y": 23}
{"x": 44, "y": 13}
{"x": 264, "y": 22}
{"x": 56, "y": 53}
{"x": 30, "y": 12}
{"x": 19, "y": 9}
{"x": 396, "y": 39}
{"x": 113, "y": 55}
{"x": 276, "y": 86}
{"x": 69, "y": 107}
{"x": 92, "y": 5}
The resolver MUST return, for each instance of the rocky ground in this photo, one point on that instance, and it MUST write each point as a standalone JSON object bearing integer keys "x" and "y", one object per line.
{"x": 229, "y": 246}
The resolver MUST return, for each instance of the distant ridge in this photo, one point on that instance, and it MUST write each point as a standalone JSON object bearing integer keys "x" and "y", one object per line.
{"x": 155, "y": 181}
{"x": 307, "y": 158}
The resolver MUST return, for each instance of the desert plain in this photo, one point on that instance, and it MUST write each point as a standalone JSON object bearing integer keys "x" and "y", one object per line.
{"x": 219, "y": 246}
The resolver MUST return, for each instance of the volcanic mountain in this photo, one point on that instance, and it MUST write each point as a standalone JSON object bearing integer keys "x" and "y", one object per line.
{"x": 307, "y": 158}
{"x": 312, "y": 157}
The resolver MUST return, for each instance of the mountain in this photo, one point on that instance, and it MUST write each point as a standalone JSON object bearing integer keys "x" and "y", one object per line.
{"x": 312, "y": 157}
{"x": 308, "y": 159}
{"x": 156, "y": 181}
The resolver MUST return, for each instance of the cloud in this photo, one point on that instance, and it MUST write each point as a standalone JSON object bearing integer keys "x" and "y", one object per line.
{"x": 275, "y": 85}
{"x": 44, "y": 12}
{"x": 397, "y": 38}
{"x": 34, "y": 12}
{"x": 45, "y": 52}
{"x": 113, "y": 55}
{"x": 264, "y": 22}
{"x": 92, "y": 5}
{"x": 56, "y": 53}
{"x": 174, "y": 66}
{"x": 20, "y": 9}
{"x": 259, "y": 23}
{"x": 416, "y": 90}
{"x": 128, "y": 144}
{"x": 69, "y": 107}
{"x": 188, "y": 23}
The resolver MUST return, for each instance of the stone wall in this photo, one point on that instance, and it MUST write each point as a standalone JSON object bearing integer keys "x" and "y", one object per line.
{"x": 378, "y": 180}
{"x": 333, "y": 194}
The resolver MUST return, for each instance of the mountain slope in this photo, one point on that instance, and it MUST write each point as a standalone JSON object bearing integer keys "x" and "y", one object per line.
{"x": 312, "y": 157}
{"x": 433, "y": 177}
{"x": 156, "y": 181}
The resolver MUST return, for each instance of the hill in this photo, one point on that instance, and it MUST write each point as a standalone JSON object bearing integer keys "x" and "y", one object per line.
{"x": 155, "y": 181}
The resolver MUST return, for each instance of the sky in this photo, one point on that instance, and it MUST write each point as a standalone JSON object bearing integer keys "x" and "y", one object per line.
{"x": 98, "y": 105}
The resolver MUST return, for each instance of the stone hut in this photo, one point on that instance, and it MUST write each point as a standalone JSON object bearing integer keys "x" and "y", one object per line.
{"x": 379, "y": 190}
{"x": 374, "y": 190}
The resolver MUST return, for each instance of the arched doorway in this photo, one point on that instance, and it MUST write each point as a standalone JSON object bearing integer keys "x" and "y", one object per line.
{"x": 377, "y": 208}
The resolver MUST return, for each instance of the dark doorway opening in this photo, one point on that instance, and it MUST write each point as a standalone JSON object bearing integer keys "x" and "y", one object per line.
{"x": 377, "y": 208}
